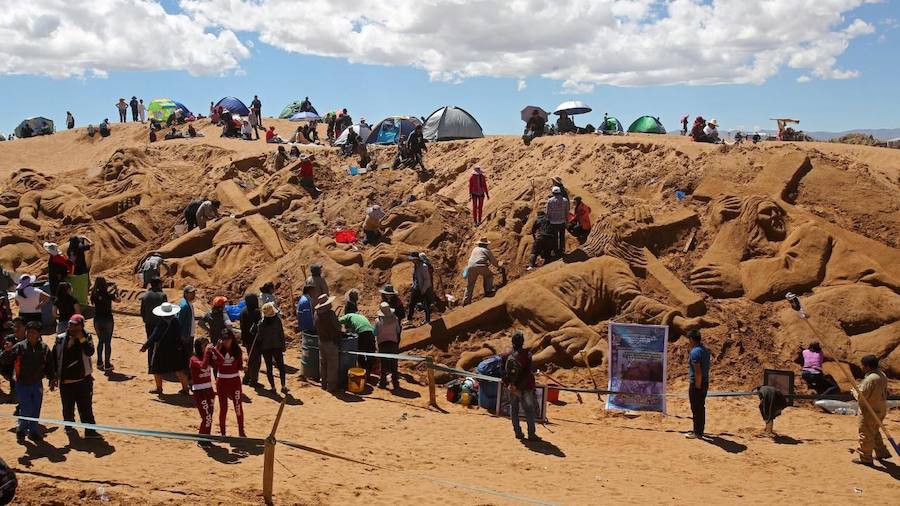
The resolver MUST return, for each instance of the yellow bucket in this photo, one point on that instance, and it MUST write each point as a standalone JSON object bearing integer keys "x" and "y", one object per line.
{"x": 356, "y": 380}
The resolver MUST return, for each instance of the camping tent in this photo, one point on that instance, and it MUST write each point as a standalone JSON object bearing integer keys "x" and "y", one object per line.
{"x": 611, "y": 126}
{"x": 363, "y": 132}
{"x": 234, "y": 105}
{"x": 393, "y": 130}
{"x": 187, "y": 112}
{"x": 292, "y": 109}
{"x": 161, "y": 108}
{"x": 647, "y": 125}
{"x": 39, "y": 126}
{"x": 451, "y": 122}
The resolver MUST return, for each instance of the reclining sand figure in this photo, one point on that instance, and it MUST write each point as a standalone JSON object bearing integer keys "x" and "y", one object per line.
{"x": 758, "y": 253}
{"x": 558, "y": 305}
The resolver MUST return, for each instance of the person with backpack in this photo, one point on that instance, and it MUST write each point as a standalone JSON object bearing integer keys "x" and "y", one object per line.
{"x": 478, "y": 192}
{"x": 519, "y": 381}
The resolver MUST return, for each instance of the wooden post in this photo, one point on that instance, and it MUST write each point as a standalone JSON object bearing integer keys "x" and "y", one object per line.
{"x": 591, "y": 374}
{"x": 432, "y": 398}
{"x": 269, "y": 456}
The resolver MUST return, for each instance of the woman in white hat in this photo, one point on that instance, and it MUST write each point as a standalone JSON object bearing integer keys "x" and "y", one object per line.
{"x": 387, "y": 334}
{"x": 711, "y": 131}
{"x": 30, "y": 299}
{"x": 167, "y": 352}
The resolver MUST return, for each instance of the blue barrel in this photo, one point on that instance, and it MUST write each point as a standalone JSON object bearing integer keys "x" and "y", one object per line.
{"x": 309, "y": 356}
{"x": 350, "y": 342}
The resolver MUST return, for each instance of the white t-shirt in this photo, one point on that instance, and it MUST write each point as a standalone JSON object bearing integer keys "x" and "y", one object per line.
{"x": 29, "y": 303}
{"x": 711, "y": 131}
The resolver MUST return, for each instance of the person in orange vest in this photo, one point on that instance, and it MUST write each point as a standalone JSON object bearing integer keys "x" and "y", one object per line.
{"x": 580, "y": 220}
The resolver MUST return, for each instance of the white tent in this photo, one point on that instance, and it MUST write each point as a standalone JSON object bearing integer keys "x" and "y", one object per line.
{"x": 451, "y": 122}
{"x": 362, "y": 131}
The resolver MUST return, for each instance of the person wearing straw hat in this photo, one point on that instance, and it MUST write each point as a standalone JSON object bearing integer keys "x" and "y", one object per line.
{"x": 329, "y": 329}
{"x": 711, "y": 131}
{"x": 271, "y": 342}
{"x": 387, "y": 333}
{"x": 422, "y": 286}
{"x": 58, "y": 267}
{"x": 480, "y": 262}
{"x": 389, "y": 294}
{"x": 71, "y": 359}
{"x": 30, "y": 299}
{"x": 216, "y": 319}
{"x": 167, "y": 352}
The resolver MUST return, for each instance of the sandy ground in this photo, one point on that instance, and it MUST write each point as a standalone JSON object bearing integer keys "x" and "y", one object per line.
{"x": 462, "y": 456}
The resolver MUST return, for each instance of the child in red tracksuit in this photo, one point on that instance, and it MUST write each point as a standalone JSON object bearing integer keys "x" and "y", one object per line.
{"x": 229, "y": 363}
{"x": 201, "y": 383}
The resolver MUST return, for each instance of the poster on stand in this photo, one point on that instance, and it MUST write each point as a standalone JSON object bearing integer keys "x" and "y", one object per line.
{"x": 540, "y": 402}
{"x": 637, "y": 367}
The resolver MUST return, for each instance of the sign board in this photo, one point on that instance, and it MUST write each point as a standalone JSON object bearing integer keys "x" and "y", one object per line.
{"x": 637, "y": 366}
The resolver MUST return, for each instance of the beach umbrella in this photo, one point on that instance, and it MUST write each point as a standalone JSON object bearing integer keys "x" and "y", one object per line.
{"x": 572, "y": 107}
{"x": 306, "y": 116}
{"x": 527, "y": 112}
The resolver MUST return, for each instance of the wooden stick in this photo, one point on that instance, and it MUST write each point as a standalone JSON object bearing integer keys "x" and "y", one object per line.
{"x": 269, "y": 455}
{"x": 560, "y": 383}
{"x": 859, "y": 397}
{"x": 588, "y": 364}
{"x": 432, "y": 397}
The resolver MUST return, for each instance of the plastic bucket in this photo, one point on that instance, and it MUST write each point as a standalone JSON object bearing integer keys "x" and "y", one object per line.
{"x": 356, "y": 380}
{"x": 552, "y": 394}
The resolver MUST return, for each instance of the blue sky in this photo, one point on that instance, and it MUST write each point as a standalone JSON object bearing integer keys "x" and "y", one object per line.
{"x": 376, "y": 90}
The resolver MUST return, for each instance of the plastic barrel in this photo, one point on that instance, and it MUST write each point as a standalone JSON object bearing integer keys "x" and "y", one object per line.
{"x": 309, "y": 356}
{"x": 350, "y": 342}
{"x": 356, "y": 380}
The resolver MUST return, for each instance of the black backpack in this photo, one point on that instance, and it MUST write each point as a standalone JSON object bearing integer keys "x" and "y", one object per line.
{"x": 512, "y": 370}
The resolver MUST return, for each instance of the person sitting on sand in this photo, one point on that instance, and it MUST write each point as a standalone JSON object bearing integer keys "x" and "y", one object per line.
{"x": 153, "y": 137}
{"x": 372, "y": 225}
{"x": 104, "y": 128}
{"x": 698, "y": 133}
{"x": 91, "y": 131}
{"x": 201, "y": 384}
{"x": 174, "y": 134}
{"x": 246, "y": 131}
{"x": 565, "y": 125}
{"x": 281, "y": 158}
{"x": 192, "y": 132}
{"x": 580, "y": 221}
{"x": 534, "y": 127}
{"x": 812, "y": 359}
{"x": 272, "y": 137}
{"x": 307, "y": 179}
{"x": 167, "y": 353}
{"x": 295, "y": 153}
{"x": 711, "y": 131}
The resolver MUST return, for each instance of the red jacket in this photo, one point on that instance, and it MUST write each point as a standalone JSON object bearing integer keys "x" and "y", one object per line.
{"x": 306, "y": 168}
{"x": 227, "y": 365}
{"x": 478, "y": 184}
{"x": 201, "y": 372}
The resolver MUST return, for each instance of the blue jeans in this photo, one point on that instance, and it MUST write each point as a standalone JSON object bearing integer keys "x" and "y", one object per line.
{"x": 526, "y": 398}
{"x": 30, "y": 399}
{"x": 103, "y": 326}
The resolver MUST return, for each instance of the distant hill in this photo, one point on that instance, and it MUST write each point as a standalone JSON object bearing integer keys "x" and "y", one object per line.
{"x": 879, "y": 133}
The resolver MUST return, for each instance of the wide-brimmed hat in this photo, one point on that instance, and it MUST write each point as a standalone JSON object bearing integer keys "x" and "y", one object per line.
{"x": 388, "y": 289}
{"x": 52, "y": 248}
{"x": 166, "y": 309}
{"x": 385, "y": 309}
{"x": 219, "y": 301}
{"x": 25, "y": 281}
{"x": 483, "y": 242}
{"x": 269, "y": 310}
{"x": 713, "y": 122}
{"x": 324, "y": 301}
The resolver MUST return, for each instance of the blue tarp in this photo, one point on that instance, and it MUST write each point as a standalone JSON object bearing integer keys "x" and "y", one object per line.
{"x": 234, "y": 105}
{"x": 392, "y": 130}
{"x": 187, "y": 112}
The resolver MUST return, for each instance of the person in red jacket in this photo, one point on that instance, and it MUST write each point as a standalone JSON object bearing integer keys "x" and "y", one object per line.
{"x": 478, "y": 190}
{"x": 229, "y": 363}
{"x": 201, "y": 383}
{"x": 580, "y": 220}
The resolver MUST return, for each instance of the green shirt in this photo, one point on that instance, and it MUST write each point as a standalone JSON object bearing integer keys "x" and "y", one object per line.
{"x": 356, "y": 323}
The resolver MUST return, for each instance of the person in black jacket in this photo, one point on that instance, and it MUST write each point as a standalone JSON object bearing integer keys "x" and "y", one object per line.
{"x": 250, "y": 317}
{"x": 150, "y": 300}
{"x": 31, "y": 362}
{"x": 71, "y": 359}
{"x": 329, "y": 330}
{"x": 271, "y": 341}
{"x": 102, "y": 297}
{"x": 167, "y": 351}
{"x": 543, "y": 240}
{"x": 415, "y": 145}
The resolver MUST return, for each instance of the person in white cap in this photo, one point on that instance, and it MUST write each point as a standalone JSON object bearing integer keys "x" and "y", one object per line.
{"x": 480, "y": 262}
{"x": 329, "y": 330}
{"x": 558, "y": 214}
{"x": 167, "y": 351}
{"x": 711, "y": 131}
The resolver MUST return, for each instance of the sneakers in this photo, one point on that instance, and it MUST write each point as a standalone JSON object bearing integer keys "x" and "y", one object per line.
{"x": 36, "y": 437}
{"x": 92, "y": 434}
{"x": 20, "y": 438}
{"x": 519, "y": 435}
{"x": 691, "y": 435}
{"x": 534, "y": 438}
{"x": 863, "y": 462}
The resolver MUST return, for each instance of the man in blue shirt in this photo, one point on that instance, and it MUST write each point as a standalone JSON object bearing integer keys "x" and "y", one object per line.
{"x": 305, "y": 322}
{"x": 698, "y": 372}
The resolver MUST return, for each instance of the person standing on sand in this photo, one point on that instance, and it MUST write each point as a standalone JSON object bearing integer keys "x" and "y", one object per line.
{"x": 684, "y": 124}
{"x": 229, "y": 363}
{"x": 167, "y": 352}
{"x": 422, "y": 286}
{"x": 201, "y": 384}
{"x": 873, "y": 388}
{"x": 306, "y": 310}
{"x": 216, "y": 320}
{"x": 358, "y": 324}
{"x": 70, "y": 121}
{"x": 142, "y": 111}
{"x": 544, "y": 240}
{"x": 254, "y": 124}
{"x": 150, "y": 300}
{"x": 557, "y": 214}
{"x": 519, "y": 380}
{"x": 58, "y": 267}
{"x": 256, "y": 104}
{"x": 698, "y": 376}
{"x": 478, "y": 192}
{"x": 387, "y": 333}
{"x": 31, "y": 362}
{"x": 329, "y": 330}
{"x": 102, "y": 297}
{"x": 71, "y": 359}
{"x": 134, "y": 109}
{"x": 271, "y": 342}
{"x": 64, "y": 307}
{"x": 186, "y": 321}
{"x": 480, "y": 262}
{"x": 30, "y": 300}
{"x": 249, "y": 321}
{"x": 316, "y": 279}
{"x": 122, "y": 106}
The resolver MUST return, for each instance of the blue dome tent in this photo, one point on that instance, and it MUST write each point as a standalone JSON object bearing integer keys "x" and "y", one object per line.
{"x": 234, "y": 105}
{"x": 187, "y": 112}
{"x": 393, "y": 130}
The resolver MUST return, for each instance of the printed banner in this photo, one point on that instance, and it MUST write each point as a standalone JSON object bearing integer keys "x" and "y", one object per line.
{"x": 637, "y": 364}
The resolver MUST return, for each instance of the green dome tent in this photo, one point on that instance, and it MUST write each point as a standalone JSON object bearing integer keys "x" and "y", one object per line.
{"x": 161, "y": 108}
{"x": 292, "y": 109}
{"x": 647, "y": 125}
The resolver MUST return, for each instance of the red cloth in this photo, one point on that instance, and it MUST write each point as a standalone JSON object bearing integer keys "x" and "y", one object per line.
{"x": 63, "y": 261}
{"x": 226, "y": 364}
{"x": 230, "y": 389}
{"x": 201, "y": 372}
{"x": 583, "y": 216}
{"x": 477, "y": 207}
{"x": 269, "y": 135}
{"x": 306, "y": 168}
{"x": 478, "y": 184}
{"x": 205, "y": 400}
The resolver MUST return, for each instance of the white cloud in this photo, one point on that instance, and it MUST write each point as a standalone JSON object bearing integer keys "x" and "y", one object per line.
{"x": 521, "y": 85}
{"x": 804, "y": 79}
{"x": 580, "y": 43}
{"x": 61, "y": 38}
